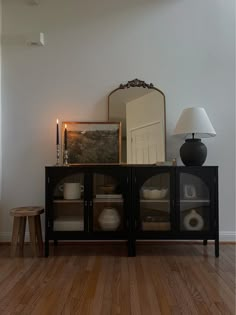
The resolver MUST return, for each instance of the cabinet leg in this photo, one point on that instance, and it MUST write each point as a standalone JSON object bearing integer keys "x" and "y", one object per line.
{"x": 132, "y": 248}
{"x": 39, "y": 235}
{"x": 46, "y": 251}
{"x": 217, "y": 247}
{"x": 46, "y": 247}
{"x": 204, "y": 242}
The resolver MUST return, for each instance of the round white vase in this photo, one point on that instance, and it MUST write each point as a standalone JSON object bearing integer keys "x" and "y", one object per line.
{"x": 109, "y": 219}
{"x": 193, "y": 221}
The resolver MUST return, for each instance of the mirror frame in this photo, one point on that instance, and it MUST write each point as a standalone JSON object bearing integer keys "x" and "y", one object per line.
{"x": 141, "y": 84}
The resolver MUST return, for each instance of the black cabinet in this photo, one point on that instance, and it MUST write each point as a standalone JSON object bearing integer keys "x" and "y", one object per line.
{"x": 131, "y": 202}
{"x": 197, "y": 204}
{"x": 178, "y": 203}
{"x": 87, "y": 203}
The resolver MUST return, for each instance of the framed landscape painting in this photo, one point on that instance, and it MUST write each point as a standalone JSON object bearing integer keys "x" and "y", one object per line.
{"x": 92, "y": 142}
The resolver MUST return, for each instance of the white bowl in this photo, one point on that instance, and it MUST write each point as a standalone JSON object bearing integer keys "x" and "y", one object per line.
{"x": 164, "y": 192}
{"x": 154, "y": 193}
{"x": 146, "y": 193}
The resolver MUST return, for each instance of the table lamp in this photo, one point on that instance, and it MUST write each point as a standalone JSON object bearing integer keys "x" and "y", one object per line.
{"x": 195, "y": 122}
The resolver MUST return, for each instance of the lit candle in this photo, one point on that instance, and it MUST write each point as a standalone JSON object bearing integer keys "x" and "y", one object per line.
{"x": 57, "y": 131}
{"x": 65, "y": 137}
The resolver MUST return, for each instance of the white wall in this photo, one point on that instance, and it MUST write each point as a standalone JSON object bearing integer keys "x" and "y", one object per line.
{"x": 184, "y": 47}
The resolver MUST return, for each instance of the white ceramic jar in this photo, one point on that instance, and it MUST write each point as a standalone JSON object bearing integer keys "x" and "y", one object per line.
{"x": 109, "y": 219}
{"x": 71, "y": 190}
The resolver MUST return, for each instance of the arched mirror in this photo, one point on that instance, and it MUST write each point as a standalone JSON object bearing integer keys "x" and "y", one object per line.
{"x": 140, "y": 107}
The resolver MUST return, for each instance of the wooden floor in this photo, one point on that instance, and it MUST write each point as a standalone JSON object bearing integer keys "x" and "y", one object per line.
{"x": 100, "y": 280}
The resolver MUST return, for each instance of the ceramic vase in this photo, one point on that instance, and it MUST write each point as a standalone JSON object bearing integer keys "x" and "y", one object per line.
{"x": 109, "y": 219}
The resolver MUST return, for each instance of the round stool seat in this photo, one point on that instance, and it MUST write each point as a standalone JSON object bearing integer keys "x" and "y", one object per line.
{"x": 26, "y": 211}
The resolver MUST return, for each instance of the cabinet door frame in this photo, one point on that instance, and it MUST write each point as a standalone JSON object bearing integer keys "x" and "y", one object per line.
{"x": 209, "y": 177}
{"x": 53, "y": 177}
{"x": 123, "y": 178}
{"x": 140, "y": 176}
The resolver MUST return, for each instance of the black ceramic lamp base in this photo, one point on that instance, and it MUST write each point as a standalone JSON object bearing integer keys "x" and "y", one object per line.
{"x": 193, "y": 152}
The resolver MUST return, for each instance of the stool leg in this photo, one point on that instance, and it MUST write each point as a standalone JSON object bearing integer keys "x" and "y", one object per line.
{"x": 22, "y": 235}
{"x": 39, "y": 234}
{"x": 32, "y": 231}
{"x": 15, "y": 234}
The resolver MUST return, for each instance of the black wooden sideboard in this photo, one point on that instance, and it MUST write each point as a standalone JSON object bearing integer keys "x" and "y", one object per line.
{"x": 132, "y": 202}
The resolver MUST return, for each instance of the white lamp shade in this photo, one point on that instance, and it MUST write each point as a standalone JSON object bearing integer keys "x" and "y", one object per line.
{"x": 194, "y": 120}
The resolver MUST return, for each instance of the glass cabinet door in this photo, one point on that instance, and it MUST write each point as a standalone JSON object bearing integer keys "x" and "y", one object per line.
{"x": 108, "y": 204}
{"x": 154, "y": 209}
{"x": 194, "y": 203}
{"x": 68, "y": 204}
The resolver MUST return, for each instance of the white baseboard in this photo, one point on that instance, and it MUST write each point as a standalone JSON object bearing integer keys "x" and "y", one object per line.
{"x": 228, "y": 236}
{"x": 225, "y": 236}
{"x": 5, "y": 237}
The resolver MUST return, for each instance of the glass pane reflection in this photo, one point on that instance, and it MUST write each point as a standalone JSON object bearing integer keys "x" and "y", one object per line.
{"x": 155, "y": 203}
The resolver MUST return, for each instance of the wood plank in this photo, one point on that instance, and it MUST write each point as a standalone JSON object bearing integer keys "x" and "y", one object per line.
{"x": 94, "y": 279}
{"x": 134, "y": 296}
{"x": 107, "y": 292}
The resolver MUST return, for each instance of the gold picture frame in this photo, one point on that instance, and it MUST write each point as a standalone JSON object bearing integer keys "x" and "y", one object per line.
{"x": 92, "y": 142}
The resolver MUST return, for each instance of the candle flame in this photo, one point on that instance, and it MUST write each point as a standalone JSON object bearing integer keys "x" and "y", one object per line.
{"x": 57, "y": 121}
{"x": 65, "y": 126}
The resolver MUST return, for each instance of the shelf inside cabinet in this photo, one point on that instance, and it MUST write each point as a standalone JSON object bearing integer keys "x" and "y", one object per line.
{"x": 154, "y": 200}
{"x": 104, "y": 200}
{"x": 194, "y": 201}
{"x": 68, "y": 201}
{"x": 108, "y": 198}
{"x": 156, "y": 226}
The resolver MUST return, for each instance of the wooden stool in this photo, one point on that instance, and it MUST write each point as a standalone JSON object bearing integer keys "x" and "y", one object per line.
{"x": 33, "y": 214}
